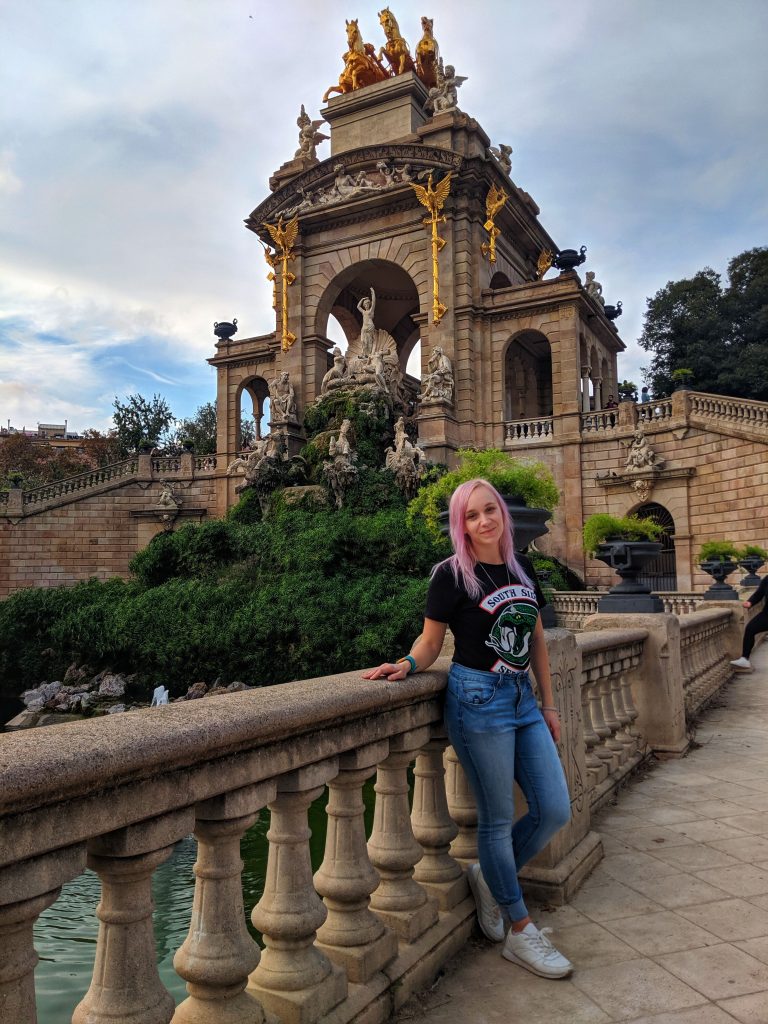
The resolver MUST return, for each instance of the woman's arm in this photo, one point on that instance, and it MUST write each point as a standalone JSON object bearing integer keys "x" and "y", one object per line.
{"x": 425, "y": 651}
{"x": 540, "y": 666}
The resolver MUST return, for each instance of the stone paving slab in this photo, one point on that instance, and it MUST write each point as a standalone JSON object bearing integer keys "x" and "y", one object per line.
{"x": 672, "y": 926}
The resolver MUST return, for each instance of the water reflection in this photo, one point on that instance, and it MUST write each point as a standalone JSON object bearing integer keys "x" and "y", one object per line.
{"x": 65, "y": 934}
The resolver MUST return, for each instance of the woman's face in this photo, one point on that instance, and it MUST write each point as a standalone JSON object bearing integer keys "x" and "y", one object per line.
{"x": 483, "y": 522}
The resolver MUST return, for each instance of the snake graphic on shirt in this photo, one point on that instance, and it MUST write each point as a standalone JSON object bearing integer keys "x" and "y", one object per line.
{"x": 510, "y": 636}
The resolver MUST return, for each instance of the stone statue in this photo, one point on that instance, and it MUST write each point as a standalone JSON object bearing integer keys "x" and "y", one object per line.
{"x": 594, "y": 288}
{"x": 396, "y": 50}
{"x": 406, "y": 461}
{"x": 340, "y": 469}
{"x": 337, "y": 372}
{"x": 361, "y": 66}
{"x": 641, "y": 455}
{"x": 438, "y": 384}
{"x": 367, "y": 307}
{"x": 282, "y": 398}
{"x": 427, "y": 54}
{"x": 159, "y": 696}
{"x": 444, "y": 95}
{"x": 503, "y": 154}
{"x": 386, "y": 172}
{"x": 309, "y": 137}
{"x": 167, "y": 498}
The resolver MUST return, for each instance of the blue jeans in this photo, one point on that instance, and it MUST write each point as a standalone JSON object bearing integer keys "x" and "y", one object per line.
{"x": 496, "y": 728}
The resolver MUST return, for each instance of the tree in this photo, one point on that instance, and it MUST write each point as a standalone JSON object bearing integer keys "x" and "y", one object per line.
{"x": 37, "y": 463}
{"x": 718, "y": 333}
{"x": 141, "y": 421}
{"x": 200, "y": 429}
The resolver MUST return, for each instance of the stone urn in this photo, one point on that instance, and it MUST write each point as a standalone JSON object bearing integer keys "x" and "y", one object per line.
{"x": 225, "y": 330}
{"x": 628, "y": 558}
{"x": 529, "y": 523}
{"x": 613, "y": 312}
{"x": 751, "y": 564}
{"x": 569, "y": 259}
{"x": 720, "y": 590}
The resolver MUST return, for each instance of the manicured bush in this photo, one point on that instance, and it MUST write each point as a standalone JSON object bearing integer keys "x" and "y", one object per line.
{"x": 601, "y": 527}
{"x": 718, "y": 551}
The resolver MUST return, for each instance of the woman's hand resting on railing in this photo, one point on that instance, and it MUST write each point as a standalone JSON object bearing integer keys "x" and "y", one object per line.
{"x": 393, "y": 672}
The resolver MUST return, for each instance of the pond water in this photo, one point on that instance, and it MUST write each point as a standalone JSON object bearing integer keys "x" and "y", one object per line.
{"x": 65, "y": 934}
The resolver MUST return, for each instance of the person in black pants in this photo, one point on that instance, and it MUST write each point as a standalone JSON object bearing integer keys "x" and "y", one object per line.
{"x": 757, "y": 625}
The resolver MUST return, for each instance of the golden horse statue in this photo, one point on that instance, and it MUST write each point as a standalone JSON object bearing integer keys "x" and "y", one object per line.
{"x": 361, "y": 66}
{"x": 427, "y": 54}
{"x": 396, "y": 49}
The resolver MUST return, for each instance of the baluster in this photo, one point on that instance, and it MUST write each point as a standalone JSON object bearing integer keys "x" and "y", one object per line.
{"x": 218, "y": 954}
{"x": 462, "y": 808}
{"x": 126, "y": 986}
{"x": 352, "y": 936}
{"x": 26, "y": 890}
{"x": 294, "y": 980}
{"x": 612, "y": 742}
{"x": 599, "y": 726}
{"x": 624, "y": 735}
{"x": 597, "y": 769}
{"x": 399, "y": 900}
{"x": 441, "y": 875}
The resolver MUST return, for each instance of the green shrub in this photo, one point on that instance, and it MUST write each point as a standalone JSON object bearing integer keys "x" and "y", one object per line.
{"x": 718, "y": 551}
{"x": 531, "y": 481}
{"x": 601, "y": 527}
{"x": 752, "y": 550}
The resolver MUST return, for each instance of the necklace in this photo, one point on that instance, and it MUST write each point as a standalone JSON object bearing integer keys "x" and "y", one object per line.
{"x": 490, "y": 578}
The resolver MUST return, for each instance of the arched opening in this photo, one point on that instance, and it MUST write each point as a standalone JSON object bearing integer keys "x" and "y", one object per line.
{"x": 252, "y": 412}
{"x": 661, "y": 573}
{"x": 500, "y": 280}
{"x": 397, "y": 302}
{"x": 528, "y": 377}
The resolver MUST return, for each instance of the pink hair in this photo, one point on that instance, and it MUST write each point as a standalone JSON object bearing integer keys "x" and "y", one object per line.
{"x": 464, "y": 560}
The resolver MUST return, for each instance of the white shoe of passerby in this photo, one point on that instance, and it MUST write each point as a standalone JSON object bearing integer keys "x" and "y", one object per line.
{"x": 531, "y": 949}
{"x": 742, "y": 663}
{"x": 488, "y": 912}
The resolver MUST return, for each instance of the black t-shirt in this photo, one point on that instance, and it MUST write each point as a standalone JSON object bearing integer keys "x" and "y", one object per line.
{"x": 493, "y": 633}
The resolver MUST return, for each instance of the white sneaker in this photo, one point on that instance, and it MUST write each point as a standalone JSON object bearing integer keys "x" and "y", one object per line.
{"x": 488, "y": 912}
{"x": 532, "y": 950}
{"x": 742, "y": 663}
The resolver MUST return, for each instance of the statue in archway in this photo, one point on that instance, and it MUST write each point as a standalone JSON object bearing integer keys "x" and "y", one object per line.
{"x": 367, "y": 308}
{"x": 438, "y": 384}
{"x": 282, "y": 398}
{"x": 337, "y": 372}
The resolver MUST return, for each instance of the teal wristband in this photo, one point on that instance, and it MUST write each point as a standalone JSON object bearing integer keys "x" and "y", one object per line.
{"x": 411, "y": 659}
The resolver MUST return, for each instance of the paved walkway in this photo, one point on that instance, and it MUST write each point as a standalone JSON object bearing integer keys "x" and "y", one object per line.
{"x": 672, "y": 926}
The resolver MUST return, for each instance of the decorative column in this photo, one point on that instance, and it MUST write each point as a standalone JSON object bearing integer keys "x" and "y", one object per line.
{"x": 437, "y": 871}
{"x": 126, "y": 986}
{"x": 295, "y": 980}
{"x": 462, "y": 808}
{"x": 352, "y": 935}
{"x": 585, "y": 371}
{"x": 218, "y": 954}
{"x": 26, "y": 890}
{"x": 399, "y": 900}
{"x": 598, "y": 393}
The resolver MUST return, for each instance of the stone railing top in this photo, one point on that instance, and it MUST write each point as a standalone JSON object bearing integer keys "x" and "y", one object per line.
{"x": 693, "y": 620}
{"x": 83, "y": 758}
{"x": 603, "y": 639}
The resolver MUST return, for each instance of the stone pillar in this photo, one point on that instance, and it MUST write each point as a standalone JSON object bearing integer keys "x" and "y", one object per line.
{"x": 26, "y": 890}
{"x": 657, "y": 682}
{"x": 441, "y": 875}
{"x": 462, "y": 808}
{"x": 126, "y": 986}
{"x": 560, "y": 868}
{"x": 352, "y": 935}
{"x": 15, "y": 506}
{"x": 294, "y": 980}
{"x": 399, "y": 900}
{"x": 585, "y": 371}
{"x": 218, "y": 954}
{"x": 598, "y": 393}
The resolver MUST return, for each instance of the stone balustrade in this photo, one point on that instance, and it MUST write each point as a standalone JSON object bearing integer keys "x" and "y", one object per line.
{"x": 380, "y": 916}
{"x": 655, "y": 411}
{"x": 602, "y": 421}
{"x": 735, "y": 410}
{"x": 528, "y": 431}
{"x": 76, "y": 485}
{"x": 573, "y": 607}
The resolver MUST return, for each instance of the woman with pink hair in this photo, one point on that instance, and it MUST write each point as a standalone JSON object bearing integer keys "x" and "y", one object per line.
{"x": 490, "y": 598}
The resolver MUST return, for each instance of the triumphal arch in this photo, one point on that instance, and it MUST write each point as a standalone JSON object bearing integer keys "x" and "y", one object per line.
{"x": 416, "y": 211}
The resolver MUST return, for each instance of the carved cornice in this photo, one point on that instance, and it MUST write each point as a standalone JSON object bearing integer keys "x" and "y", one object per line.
{"x": 653, "y": 476}
{"x": 566, "y": 306}
{"x": 354, "y": 160}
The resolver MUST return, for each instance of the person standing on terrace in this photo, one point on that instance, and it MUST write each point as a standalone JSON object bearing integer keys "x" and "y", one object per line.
{"x": 757, "y": 625}
{"x": 490, "y": 598}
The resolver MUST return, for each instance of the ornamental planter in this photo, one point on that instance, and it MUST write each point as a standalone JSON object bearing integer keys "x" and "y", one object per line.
{"x": 751, "y": 564}
{"x": 529, "y": 523}
{"x": 628, "y": 558}
{"x": 720, "y": 590}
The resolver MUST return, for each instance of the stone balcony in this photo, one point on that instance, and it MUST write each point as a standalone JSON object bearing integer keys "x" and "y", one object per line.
{"x": 380, "y": 917}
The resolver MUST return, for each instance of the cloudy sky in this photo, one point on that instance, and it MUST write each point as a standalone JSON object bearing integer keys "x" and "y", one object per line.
{"x": 135, "y": 136}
